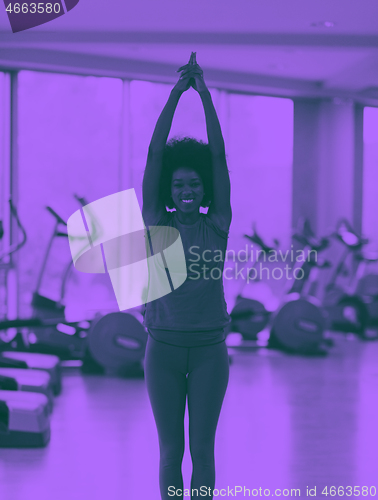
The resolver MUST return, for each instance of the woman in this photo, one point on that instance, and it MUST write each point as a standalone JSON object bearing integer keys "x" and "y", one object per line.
{"x": 186, "y": 354}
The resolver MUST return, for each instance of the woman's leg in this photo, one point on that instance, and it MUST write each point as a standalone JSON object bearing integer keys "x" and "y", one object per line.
{"x": 165, "y": 376}
{"x": 207, "y": 384}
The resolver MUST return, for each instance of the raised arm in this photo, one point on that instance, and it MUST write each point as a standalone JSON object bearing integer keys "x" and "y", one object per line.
{"x": 153, "y": 209}
{"x": 220, "y": 208}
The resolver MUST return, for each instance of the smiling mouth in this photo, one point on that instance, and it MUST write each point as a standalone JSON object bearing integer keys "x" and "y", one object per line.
{"x": 188, "y": 200}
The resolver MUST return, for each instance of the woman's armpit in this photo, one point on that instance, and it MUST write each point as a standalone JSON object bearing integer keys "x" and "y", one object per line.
{"x": 155, "y": 218}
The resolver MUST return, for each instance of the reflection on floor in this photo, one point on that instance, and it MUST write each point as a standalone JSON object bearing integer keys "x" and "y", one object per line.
{"x": 287, "y": 422}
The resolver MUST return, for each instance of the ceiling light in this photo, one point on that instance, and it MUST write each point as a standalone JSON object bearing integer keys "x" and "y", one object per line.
{"x": 277, "y": 66}
{"x": 323, "y": 24}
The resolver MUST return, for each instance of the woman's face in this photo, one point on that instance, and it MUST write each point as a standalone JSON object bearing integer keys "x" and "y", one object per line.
{"x": 187, "y": 190}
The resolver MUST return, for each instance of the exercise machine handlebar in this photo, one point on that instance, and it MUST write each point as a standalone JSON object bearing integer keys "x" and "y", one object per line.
{"x": 81, "y": 200}
{"x": 318, "y": 244}
{"x": 18, "y": 245}
{"x": 348, "y": 237}
{"x": 256, "y": 238}
{"x": 306, "y": 237}
{"x": 55, "y": 233}
{"x": 57, "y": 217}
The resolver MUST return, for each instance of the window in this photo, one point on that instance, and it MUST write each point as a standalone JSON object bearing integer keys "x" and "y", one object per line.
{"x": 370, "y": 176}
{"x": 69, "y": 143}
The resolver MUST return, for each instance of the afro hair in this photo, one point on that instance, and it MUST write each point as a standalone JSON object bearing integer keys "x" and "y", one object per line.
{"x": 192, "y": 154}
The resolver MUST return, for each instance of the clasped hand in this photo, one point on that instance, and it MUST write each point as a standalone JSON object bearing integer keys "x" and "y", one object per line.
{"x": 191, "y": 76}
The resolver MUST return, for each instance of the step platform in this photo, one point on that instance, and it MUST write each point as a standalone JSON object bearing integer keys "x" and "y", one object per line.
{"x": 27, "y": 380}
{"x": 24, "y": 419}
{"x": 46, "y": 362}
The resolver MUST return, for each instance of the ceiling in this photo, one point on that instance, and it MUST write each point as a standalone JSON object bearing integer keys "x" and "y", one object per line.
{"x": 272, "y": 47}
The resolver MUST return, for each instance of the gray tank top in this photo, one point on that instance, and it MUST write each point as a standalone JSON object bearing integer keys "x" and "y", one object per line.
{"x": 198, "y": 305}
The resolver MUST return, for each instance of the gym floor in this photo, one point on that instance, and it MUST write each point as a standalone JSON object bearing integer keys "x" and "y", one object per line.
{"x": 287, "y": 422}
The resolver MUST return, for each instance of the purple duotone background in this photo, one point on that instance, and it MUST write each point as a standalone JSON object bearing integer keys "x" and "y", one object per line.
{"x": 71, "y": 140}
{"x": 287, "y": 422}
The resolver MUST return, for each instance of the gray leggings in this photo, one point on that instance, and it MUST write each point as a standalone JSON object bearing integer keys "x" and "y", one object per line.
{"x": 172, "y": 373}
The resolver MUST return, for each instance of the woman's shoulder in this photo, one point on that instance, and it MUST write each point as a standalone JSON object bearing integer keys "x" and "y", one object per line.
{"x": 158, "y": 219}
{"x": 214, "y": 224}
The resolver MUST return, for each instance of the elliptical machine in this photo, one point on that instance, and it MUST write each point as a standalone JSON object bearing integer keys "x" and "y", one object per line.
{"x": 299, "y": 323}
{"x": 114, "y": 342}
{"x": 250, "y": 316}
{"x": 349, "y": 309}
{"x": 46, "y": 331}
